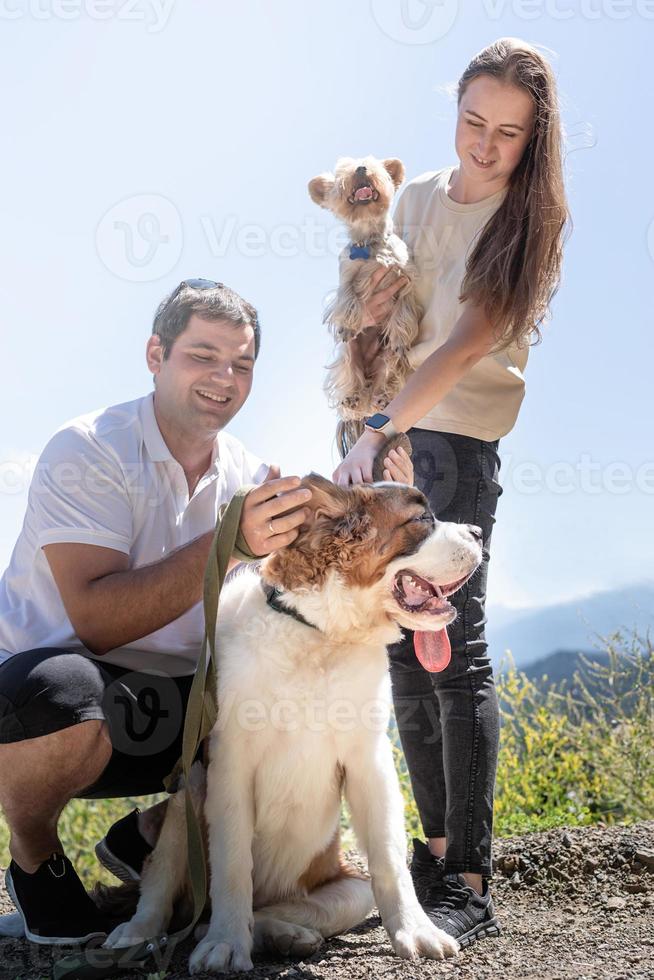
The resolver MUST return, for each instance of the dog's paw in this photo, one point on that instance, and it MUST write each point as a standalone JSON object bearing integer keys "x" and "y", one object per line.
{"x": 414, "y": 935}
{"x": 287, "y": 938}
{"x": 220, "y": 955}
{"x": 132, "y": 933}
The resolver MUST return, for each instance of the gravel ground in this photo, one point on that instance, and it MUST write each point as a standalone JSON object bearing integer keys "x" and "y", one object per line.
{"x": 575, "y": 904}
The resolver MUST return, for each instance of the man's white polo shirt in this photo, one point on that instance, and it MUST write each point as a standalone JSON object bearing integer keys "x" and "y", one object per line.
{"x": 109, "y": 479}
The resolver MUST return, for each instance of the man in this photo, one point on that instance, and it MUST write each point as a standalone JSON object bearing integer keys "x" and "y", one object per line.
{"x": 101, "y": 617}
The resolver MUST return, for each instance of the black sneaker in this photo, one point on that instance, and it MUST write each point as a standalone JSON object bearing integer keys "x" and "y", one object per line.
{"x": 53, "y": 904}
{"x": 461, "y": 912}
{"x": 122, "y": 850}
{"x": 426, "y": 871}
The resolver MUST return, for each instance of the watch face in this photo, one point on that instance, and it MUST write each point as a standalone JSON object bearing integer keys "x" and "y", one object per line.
{"x": 377, "y": 421}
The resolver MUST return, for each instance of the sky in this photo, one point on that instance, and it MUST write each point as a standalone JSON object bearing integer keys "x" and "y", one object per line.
{"x": 147, "y": 141}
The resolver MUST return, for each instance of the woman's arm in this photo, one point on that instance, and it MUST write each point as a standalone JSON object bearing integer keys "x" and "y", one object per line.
{"x": 471, "y": 339}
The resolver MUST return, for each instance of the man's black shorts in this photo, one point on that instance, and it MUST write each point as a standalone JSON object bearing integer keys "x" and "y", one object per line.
{"x": 44, "y": 691}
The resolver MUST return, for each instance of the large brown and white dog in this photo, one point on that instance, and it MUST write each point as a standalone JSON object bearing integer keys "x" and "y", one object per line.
{"x": 303, "y": 699}
{"x": 360, "y": 193}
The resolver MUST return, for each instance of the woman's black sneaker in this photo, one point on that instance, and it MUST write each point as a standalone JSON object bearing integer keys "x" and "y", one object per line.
{"x": 122, "y": 850}
{"x": 54, "y": 905}
{"x": 427, "y": 871}
{"x": 462, "y": 912}
{"x": 453, "y": 906}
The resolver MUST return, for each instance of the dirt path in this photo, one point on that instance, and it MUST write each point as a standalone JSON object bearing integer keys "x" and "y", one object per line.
{"x": 574, "y": 905}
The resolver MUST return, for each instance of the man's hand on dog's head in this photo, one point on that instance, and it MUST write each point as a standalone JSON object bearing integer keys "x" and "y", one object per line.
{"x": 273, "y": 513}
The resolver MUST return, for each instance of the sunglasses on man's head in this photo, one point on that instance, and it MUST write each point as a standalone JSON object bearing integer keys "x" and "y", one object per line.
{"x": 198, "y": 284}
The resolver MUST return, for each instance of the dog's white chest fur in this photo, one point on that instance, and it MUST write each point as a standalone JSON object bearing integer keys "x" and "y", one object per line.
{"x": 292, "y": 707}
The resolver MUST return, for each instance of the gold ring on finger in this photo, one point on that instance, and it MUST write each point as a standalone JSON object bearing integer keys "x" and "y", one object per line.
{"x": 271, "y": 528}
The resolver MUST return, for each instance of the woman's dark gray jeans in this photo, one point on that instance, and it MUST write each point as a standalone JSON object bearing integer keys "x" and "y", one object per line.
{"x": 449, "y": 722}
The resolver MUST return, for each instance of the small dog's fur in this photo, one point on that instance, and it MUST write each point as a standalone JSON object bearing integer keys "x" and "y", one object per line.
{"x": 360, "y": 193}
{"x": 303, "y": 715}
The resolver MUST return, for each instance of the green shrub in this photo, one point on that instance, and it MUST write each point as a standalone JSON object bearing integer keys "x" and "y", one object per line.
{"x": 611, "y": 724}
{"x": 575, "y": 753}
{"x": 542, "y": 780}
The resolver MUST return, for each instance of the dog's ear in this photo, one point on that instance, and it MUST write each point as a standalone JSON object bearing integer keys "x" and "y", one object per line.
{"x": 354, "y": 526}
{"x": 327, "y": 498}
{"x": 344, "y": 508}
{"x": 336, "y": 529}
{"x": 320, "y": 187}
{"x": 395, "y": 169}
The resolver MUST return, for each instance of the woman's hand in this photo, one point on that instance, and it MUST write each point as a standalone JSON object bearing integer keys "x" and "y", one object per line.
{"x": 381, "y": 302}
{"x": 357, "y": 465}
{"x": 367, "y": 344}
{"x": 398, "y": 467}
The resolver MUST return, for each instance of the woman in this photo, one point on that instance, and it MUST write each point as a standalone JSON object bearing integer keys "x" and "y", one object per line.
{"x": 487, "y": 239}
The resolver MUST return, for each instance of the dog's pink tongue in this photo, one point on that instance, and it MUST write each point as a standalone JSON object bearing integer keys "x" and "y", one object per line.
{"x": 433, "y": 650}
{"x": 363, "y": 194}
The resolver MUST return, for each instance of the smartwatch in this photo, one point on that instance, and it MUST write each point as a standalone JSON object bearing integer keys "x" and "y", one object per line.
{"x": 381, "y": 423}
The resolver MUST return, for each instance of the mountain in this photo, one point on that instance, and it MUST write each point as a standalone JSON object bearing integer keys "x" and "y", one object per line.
{"x": 576, "y": 625}
{"x": 562, "y": 665}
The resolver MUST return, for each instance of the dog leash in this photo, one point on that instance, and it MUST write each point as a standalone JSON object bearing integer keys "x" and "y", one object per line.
{"x": 200, "y": 718}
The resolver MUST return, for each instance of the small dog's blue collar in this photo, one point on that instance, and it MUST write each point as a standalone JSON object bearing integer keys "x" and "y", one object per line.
{"x": 359, "y": 250}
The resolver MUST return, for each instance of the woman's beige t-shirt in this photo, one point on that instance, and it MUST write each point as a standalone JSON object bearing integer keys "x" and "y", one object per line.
{"x": 441, "y": 233}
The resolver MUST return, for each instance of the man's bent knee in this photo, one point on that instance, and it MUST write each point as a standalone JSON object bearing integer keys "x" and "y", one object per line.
{"x": 46, "y": 691}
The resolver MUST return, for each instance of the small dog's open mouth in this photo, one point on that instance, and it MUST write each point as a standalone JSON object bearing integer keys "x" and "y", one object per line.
{"x": 363, "y": 193}
{"x": 415, "y": 594}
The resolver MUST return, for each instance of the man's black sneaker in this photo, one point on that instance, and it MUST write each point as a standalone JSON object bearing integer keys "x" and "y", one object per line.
{"x": 53, "y": 904}
{"x": 122, "y": 850}
{"x": 461, "y": 912}
{"x": 426, "y": 871}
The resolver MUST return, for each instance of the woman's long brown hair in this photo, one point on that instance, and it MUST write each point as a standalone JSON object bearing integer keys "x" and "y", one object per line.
{"x": 514, "y": 268}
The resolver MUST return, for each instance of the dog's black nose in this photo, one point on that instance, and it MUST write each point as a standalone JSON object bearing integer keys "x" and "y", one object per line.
{"x": 475, "y": 531}
{"x": 361, "y": 171}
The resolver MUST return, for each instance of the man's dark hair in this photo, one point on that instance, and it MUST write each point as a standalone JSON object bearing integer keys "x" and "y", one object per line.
{"x": 216, "y": 303}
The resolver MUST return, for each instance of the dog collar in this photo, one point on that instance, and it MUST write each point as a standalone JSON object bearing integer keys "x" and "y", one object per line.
{"x": 360, "y": 250}
{"x": 273, "y": 595}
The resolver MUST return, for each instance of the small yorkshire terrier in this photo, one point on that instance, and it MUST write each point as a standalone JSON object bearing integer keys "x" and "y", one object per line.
{"x": 360, "y": 193}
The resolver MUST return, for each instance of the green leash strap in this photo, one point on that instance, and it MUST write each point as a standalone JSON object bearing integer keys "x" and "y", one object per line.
{"x": 201, "y": 715}
{"x": 96, "y": 963}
